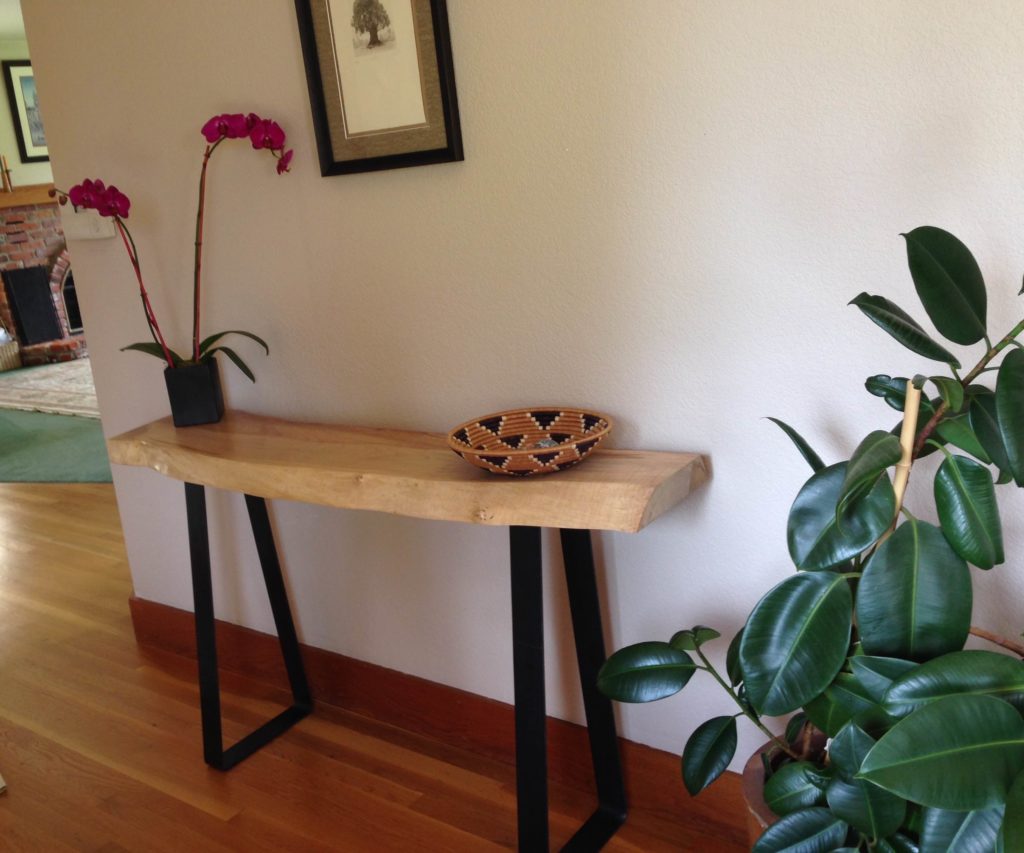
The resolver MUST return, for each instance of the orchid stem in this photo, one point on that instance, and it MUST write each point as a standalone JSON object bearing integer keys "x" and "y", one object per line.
{"x": 154, "y": 326}
{"x": 199, "y": 249}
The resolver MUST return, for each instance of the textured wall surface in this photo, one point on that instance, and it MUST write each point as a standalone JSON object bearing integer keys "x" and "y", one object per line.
{"x": 662, "y": 215}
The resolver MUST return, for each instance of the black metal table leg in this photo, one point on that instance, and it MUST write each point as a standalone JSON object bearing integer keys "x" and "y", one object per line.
{"x": 585, "y": 607}
{"x": 528, "y": 667}
{"x": 528, "y": 675}
{"x": 206, "y": 641}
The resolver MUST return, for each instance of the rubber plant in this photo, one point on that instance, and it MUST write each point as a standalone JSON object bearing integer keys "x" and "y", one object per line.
{"x": 109, "y": 201}
{"x": 900, "y": 739}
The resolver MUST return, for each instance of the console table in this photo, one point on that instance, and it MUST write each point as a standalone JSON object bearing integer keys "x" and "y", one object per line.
{"x": 415, "y": 474}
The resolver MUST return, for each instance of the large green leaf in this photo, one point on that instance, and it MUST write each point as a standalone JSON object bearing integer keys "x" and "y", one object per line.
{"x": 903, "y": 328}
{"x": 896, "y": 843}
{"x": 812, "y": 458}
{"x": 877, "y": 452}
{"x": 974, "y": 672}
{"x": 843, "y": 700}
{"x": 892, "y": 389}
{"x": 944, "y": 831}
{"x": 877, "y": 673}
{"x": 914, "y": 598}
{"x": 791, "y": 788}
{"x": 958, "y": 432}
{"x": 1012, "y": 832}
{"x": 960, "y": 753}
{"x": 866, "y": 807}
{"x": 948, "y": 282}
{"x": 968, "y": 512}
{"x": 708, "y": 752}
{"x": 645, "y": 672}
{"x": 805, "y": 831}
{"x": 816, "y": 541}
{"x": 795, "y": 641}
{"x": 1010, "y": 410}
{"x": 848, "y": 750}
{"x": 732, "y": 659}
{"x": 985, "y": 422}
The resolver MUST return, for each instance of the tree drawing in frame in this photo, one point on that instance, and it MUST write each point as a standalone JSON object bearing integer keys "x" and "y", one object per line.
{"x": 370, "y": 17}
{"x": 20, "y": 83}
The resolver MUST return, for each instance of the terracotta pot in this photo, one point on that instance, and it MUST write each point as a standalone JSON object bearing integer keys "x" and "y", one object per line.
{"x": 195, "y": 393}
{"x": 759, "y": 816}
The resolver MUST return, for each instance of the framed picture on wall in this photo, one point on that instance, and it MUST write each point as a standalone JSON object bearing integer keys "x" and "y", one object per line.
{"x": 381, "y": 83}
{"x": 28, "y": 124}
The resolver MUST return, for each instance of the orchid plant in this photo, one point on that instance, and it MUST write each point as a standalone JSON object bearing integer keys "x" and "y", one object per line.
{"x": 109, "y": 201}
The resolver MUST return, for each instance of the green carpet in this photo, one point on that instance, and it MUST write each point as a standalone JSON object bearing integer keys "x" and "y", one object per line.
{"x": 40, "y": 448}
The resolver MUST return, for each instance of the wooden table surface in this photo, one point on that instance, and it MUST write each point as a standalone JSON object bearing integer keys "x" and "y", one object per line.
{"x": 408, "y": 473}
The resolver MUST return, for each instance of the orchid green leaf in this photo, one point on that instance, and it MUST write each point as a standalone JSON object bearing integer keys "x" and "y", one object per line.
{"x": 230, "y": 353}
{"x": 154, "y": 349}
{"x": 208, "y": 342}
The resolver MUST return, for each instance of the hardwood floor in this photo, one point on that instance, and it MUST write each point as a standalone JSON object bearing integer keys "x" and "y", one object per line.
{"x": 100, "y": 738}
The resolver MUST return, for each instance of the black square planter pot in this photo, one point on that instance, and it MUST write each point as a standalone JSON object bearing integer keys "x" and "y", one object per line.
{"x": 194, "y": 392}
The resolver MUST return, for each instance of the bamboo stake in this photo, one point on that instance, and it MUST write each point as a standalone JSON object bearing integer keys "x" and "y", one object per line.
{"x": 910, "y": 409}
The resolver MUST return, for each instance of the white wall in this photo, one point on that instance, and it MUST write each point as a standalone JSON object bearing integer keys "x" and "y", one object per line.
{"x": 22, "y": 174}
{"x": 662, "y": 214}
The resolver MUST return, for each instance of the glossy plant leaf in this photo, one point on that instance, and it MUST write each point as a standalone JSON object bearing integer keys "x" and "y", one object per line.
{"x": 958, "y": 432}
{"x": 1010, "y": 411}
{"x": 791, "y": 788}
{"x": 645, "y": 672}
{"x": 903, "y": 328}
{"x": 692, "y": 638}
{"x": 975, "y": 671}
{"x": 795, "y": 641}
{"x": 877, "y": 452}
{"x": 806, "y": 831}
{"x": 1012, "y": 831}
{"x": 866, "y": 807}
{"x": 876, "y": 674}
{"x": 951, "y": 392}
{"x": 206, "y": 343}
{"x": 848, "y": 750}
{"x": 960, "y": 753}
{"x": 812, "y": 458}
{"x": 153, "y": 348}
{"x": 965, "y": 499}
{"x": 708, "y": 752}
{"x": 914, "y": 598}
{"x": 816, "y": 541}
{"x": 896, "y": 843}
{"x": 984, "y": 421}
{"x": 795, "y": 726}
{"x": 843, "y": 700}
{"x": 943, "y": 831}
{"x": 892, "y": 389}
{"x": 732, "y": 659}
{"x": 948, "y": 282}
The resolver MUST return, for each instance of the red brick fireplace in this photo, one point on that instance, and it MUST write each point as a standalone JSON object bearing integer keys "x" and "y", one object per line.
{"x": 31, "y": 236}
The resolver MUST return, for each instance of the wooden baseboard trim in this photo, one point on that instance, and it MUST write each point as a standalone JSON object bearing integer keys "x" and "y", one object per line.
{"x": 455, "y": 717}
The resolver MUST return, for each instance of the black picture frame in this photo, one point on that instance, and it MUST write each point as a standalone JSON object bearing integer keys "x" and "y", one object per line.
{"x": 342, "y": 150}
{"x": 28, "y": 126}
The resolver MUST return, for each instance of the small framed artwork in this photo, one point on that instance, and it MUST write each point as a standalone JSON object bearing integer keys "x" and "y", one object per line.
{"x": 381, "y": 83}
{"x": 28, "y": 124}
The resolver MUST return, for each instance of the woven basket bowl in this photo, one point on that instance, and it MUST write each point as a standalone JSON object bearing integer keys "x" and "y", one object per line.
{"x": 522, "y": 442}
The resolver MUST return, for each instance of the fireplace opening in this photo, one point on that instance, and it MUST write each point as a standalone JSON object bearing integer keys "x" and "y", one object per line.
{"x": 71, "y": 310}
{"x": 31, "y": 303}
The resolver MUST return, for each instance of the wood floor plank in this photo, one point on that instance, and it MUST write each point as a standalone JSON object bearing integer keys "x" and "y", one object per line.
{"x": 100, "y": 739}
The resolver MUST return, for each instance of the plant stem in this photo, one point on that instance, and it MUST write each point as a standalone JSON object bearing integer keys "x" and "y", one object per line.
{"x": 199, "y": 248}
{"x": 992, "y": 352}
{"x": 1009, "y": 645}
{"x": 746, "y": 712}
{"x": 154, "y": 326}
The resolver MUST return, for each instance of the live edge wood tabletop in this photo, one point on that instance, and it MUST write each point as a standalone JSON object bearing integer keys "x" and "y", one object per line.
{"x": 409, "y": 473}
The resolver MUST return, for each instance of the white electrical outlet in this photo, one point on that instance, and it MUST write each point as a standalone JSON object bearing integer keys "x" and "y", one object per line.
{"x": 86, "y": 225}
